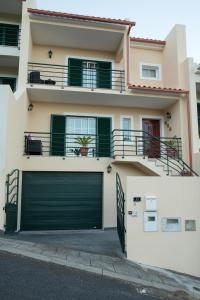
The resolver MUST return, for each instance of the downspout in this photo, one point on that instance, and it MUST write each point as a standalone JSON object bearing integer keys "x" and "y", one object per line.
{"x": 128, "y": 53}
{"x": 189, "y": 129}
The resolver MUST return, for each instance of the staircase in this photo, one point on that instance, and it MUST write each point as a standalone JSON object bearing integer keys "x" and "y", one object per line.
{"x": 161, "y": 156}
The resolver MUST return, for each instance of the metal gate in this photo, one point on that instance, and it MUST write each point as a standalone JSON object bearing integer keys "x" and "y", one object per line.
{"x": 120, "y": 212}
{"x": 11, "y": 207}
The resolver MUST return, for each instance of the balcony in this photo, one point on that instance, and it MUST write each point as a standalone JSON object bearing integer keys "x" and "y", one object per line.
{"x": 120, "y": 145}
{"x": 88, "y": 76}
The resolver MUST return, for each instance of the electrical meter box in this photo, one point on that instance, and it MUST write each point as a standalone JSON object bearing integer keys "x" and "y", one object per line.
{"x": 151, "y": 203}
{"x": 150, "y": 221}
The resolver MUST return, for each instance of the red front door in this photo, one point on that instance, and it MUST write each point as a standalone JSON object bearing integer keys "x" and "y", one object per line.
{"x": 151, "y": 129}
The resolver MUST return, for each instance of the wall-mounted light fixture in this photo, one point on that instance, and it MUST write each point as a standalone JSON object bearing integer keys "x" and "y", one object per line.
{"x": 109, "y": 169}
{"x": 30, "y": 107}
{"x": 168, "y": 115}
{"x": 50, "y": 53}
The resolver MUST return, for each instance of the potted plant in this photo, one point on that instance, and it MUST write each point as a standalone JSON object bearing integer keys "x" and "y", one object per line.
{"x": 171, "y": 148}
{"x": 84, "y": 142}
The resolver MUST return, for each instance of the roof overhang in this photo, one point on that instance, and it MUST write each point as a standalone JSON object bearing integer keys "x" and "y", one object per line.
{"x": 83, "y": 32}
{"x": 150, "y": 44}
{"x": 157, "y": 90}
{"x": 80, "y": 17}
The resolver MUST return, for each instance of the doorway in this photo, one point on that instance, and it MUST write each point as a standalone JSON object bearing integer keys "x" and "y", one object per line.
{"x": 151, "y": 136}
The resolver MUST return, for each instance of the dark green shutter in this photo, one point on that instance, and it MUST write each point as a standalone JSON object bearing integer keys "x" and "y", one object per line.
{"x": 75, "y": 72}
{"x": 104, "y": 75}
{"x": 9, "y": 81}
{"x": 58, "y": 135}
{"x": 198, "y": 115}
{"x": 103, "y": 133}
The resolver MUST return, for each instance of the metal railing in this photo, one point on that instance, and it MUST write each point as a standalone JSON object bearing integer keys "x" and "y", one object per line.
{"x": 120, "y": 212}
{"x": 10, "y": 36}
{"x": 167, "y": 151}
{"x": 61, "y": 144}
{"x": 120, "y": 143}
{"x": 64, "y": 76}
{"x": 11, "y": 207}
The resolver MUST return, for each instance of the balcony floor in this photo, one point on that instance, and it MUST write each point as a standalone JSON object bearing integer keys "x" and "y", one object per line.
{"x": 104, "y": 97}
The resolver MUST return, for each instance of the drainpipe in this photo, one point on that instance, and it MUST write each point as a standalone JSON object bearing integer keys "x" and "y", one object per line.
{"x": 128, "y": 52}
{"x": 189, "y": 129}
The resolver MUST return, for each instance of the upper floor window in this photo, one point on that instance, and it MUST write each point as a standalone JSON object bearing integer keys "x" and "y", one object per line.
{"x": 9, "y": 35}
{"x": 150, "y": 71}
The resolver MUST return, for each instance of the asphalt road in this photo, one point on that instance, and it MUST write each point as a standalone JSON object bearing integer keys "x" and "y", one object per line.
{"x": 26, "y": 279}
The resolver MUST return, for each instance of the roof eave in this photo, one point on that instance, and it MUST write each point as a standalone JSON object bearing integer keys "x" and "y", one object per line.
{"x": 80, "y": 17}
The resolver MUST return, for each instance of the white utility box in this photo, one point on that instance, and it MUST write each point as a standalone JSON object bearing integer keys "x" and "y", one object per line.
{"x": 151, "y": 203}
{"x": 150, "y": 221}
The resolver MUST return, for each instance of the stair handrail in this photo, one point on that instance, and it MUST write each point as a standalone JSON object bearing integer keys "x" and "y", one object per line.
{"x": 164, "y": 144}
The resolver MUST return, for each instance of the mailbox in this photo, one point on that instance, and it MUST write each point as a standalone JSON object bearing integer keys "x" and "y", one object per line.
{"x": 150, "y": 221}
{"x": 151, "y": 204}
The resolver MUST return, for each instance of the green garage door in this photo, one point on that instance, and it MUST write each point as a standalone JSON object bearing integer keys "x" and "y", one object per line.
{"x": 61, "y": 200}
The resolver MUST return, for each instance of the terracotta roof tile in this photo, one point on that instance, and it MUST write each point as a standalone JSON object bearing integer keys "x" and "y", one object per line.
{"x": 80, "y": 17}
{"x": 149, "y": 41}
{"x": 157, "y": 89}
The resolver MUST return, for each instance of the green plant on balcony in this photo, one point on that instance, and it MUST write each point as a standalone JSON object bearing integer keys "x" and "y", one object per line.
{"x": 84, "y": 142}
{"x": 171, "y": 148}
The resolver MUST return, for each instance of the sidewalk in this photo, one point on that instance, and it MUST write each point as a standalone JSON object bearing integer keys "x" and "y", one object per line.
{"x": 114, "y": 267}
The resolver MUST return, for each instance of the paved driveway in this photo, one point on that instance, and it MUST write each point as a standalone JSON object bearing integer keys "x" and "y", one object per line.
{"x": 95, "y": 241}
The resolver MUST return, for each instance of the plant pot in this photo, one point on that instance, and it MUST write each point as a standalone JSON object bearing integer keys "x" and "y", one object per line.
{"x": 186, "y": 173}
{"x": 171, "y": 152}
{"x": 84, "y": 151}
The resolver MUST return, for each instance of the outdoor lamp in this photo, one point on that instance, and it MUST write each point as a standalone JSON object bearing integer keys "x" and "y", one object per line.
{"x": 109, "y": 169}
{"x": 50, "y": 53}
{"x": 30, "y": 107}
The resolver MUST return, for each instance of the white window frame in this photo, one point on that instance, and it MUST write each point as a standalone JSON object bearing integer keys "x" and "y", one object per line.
{"x": 121, "y": 126}
{"x": 154, "y": 66}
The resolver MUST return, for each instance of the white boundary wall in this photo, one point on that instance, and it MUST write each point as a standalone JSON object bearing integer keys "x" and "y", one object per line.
{"x": 177, "y": 197}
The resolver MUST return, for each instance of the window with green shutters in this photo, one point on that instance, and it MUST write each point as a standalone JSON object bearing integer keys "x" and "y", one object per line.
{"x": 60, "y": 132}
{"x": 198, "y": 115}
{"x": 88, "y": 73}
{"x": 9, "y": 34}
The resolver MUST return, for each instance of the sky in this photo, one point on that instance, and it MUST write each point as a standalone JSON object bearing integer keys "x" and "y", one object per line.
{"x": 154, "y": 18}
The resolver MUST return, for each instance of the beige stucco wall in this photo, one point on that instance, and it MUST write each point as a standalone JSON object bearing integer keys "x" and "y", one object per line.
{"x": 39, "y": 118}
{"x": 176, "y": 197}
{"x": 171, "y": 59}
{"x": 13, "y": 113}
{"x": 40, "y": 55}
{"x": 140, "y": 56}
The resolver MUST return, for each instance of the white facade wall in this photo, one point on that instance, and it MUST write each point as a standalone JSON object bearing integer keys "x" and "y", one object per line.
{"x": 175, "y": 198}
